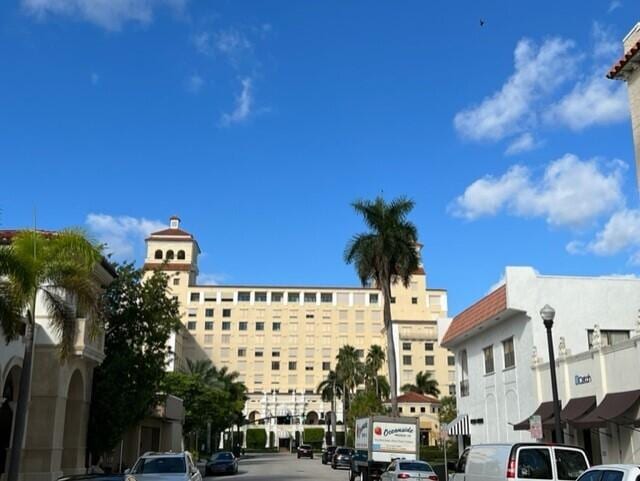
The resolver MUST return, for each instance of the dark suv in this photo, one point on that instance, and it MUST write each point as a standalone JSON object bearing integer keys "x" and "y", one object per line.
{"x": 342, "y": 458}
{"x": 327, "y": 454}
{"x": 305, "y": 451}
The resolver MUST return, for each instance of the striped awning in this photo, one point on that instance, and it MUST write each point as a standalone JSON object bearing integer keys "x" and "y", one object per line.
{"x": 459, "y": 426}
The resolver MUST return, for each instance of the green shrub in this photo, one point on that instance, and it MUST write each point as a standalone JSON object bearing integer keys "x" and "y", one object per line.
{"x": 313, "y": 436}
{"x": 256, "y": 438}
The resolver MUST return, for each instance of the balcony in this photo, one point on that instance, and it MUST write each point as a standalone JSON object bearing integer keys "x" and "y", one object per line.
{"x": 87, "y": 343}
{"x": 425, "y": 335}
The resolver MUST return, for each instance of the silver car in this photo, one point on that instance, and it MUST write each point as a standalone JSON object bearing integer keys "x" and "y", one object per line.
{"x": 411, "y": 470}
{"x": 165, "y": 467}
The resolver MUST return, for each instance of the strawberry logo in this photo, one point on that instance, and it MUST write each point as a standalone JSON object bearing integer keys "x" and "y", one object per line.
{"x": 378, "y": 431}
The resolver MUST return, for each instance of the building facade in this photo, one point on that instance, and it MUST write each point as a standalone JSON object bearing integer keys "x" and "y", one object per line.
{"x": 500, "y": 342}
{"x": 283, "y": 340}
{"x": 426, "y": 409}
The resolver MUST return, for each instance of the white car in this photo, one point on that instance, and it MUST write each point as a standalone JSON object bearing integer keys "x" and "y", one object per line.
{"x": 409, "y": 469}
{"x": 611, "y": 472}
{"x": 165, "y": 467}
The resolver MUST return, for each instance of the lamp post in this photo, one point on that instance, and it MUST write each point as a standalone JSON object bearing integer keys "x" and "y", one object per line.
{"x": 548, "y": 314}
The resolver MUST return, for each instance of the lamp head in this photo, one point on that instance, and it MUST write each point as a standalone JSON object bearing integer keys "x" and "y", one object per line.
{"x": 548, "y": 313}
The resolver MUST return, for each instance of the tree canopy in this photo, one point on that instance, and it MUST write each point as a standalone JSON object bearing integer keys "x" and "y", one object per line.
{"x": 424, "y": 384}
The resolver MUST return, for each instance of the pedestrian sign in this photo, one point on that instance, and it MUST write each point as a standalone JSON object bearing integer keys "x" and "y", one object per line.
{"x": 535, "y": 427}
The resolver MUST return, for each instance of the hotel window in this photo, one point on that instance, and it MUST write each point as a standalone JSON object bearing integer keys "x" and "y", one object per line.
{"x": 293, "y": 297}
{"x": 293, "y": 327}
{"x": 158, "y": 254}
{"x": 358, "y": 299}
{"x": 326, "y": 352}
{"x": 452, "y": 389}
{"x": 226, "y": 326}
{"x": 406, "y": 360}
{"x": 406, "y": 346}
{"x": 243, "y": 325}
{"x": 310, "y": 297}
{"x": 224, "y": 353}
{"x": 275, "y": 353}
{"x": 260, "y": 313}
{"x": 451, "y": 360}
{"x": 244, "y": 313}
{"x": 258, "y": 352}
{"x": 326, "y": 314}
{"x": 191, "y": 325}
{"x": 259, "y": 339}
{"x": 308, "y": 380}
{"x": 226, "y": 312}
{"x": 293, "y": 365}
{"x": 375, "y": 315}
{"x": 275, "y": 326}
{"x": 309, "y": 315}
{"x": 343, "y": 298}
{"x": 260, "y": 297}
{"x": 412, "y": 409}
{"x": 392, "y": 299}
{"x": 360, "y": 327}
{"x": 326, "y": 327}
{"x": 226, "y": 339}
{"x": 423, "y": 409}
{"x": 192, "y": 312}
{"x": 242, "y": 352}
{"x": 293, "y": 314}
{"x": 308, "y": 366}
{"x": 293, "y": 380}
{"x": 373, "y": 298}
{"x": 326, "y": 297}
{"x": 181, "y": 255}
{"x": 359, "y": 315}
{"x": 170, "y": 255}
{"x": 509, "y": 353}
{"x": 400, "y": 410}
{"x": 226, "y": 297}
{"x": 434, "y": 302}
{"x": 195, "y": 297}
{"x": 276, "y": 297}
{"x": 326, "y": 341}
{"x": 488, "y": 360}
{"x": 308, "y": 352}
{"x": 210, "y": 297}
{"x": 257, "y": 379}
{"x": 343, "y": 315}
{"x": 259, "y": 326}
{"x": 176, "y": 281}
{"x": 428, "y": 346}
{"x": 429, "y": 360}
{"x": 275, "y": 365}
{"x": 208, "y": 339}
{"x": 208, "y": 325}
{"x": 310, "y": 339}
{"x": 343, "y": 341}
{"x": 208, "y": 313}
{"x": 326, "y": 366}
{"x": 608, "y": 337}
{"x": 244, "y": 296}
{"x": 293, "y": 340}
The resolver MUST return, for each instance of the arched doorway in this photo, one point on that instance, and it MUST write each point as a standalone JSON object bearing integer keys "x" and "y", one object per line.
{"x": 312, "y": 418}
{"x": 7, "y": 401}
{"x": 253, "y": 416}
{"x": 72, "y": 452}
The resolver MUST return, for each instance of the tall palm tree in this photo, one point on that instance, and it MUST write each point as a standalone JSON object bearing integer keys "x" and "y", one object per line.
{"x": 204, "y": 370}
{"x": 425, "y": 384}
{"x": 386, "y": 254}
{"x": 373, "y": 363}
{"x": 331, "y": 389}
{"x": 57, "y": 269}
{"x": 350, "y": 371}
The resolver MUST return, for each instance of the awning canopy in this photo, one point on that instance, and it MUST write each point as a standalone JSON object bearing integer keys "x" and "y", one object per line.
{"x": 545, "y": 411}
{"x": 618, "y": 407}
{"x": 574, "y": 410}
{"x": 459, "y": 426}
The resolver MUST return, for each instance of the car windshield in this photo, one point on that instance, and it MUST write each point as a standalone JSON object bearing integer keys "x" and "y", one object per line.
{"x": 169, "y": 465}
{"x": 343, "y": 451}
{"x": 305, "y": 446}
{"x": 424, "y": 467}
{"x": 222, "y": 457}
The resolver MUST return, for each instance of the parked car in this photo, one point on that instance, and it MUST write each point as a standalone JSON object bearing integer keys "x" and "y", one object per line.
{"x": 489, "y": 462}
{"x": 223, "y": 462}
{"x": 342, "y": 458}
{"x": 165, "y": 467}
{"x": 305, "y": 451}
{"x": 611, "y": 472}
{"x": 93, "y": 477}
{"x": 409, "y": 469}
{"x": 327, "y": 454}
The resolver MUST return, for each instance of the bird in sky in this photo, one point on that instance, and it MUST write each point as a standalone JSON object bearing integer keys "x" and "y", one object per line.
{"x": 481, "y": 23}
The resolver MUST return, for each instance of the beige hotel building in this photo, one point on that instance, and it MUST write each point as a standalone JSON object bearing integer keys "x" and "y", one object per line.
{"x": 283, "y": 340}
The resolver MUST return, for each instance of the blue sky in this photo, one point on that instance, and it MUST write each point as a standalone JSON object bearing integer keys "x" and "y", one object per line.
{"x": 259, "y": 122}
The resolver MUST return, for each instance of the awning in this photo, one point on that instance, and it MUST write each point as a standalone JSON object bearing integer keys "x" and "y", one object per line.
{"x": 615, "y": 407}
{"x": 574, "y": 410}
{"x": 459, "y": 425}
{"x": 545, "y": 411}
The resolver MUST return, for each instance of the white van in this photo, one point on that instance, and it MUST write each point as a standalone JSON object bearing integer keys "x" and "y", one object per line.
{"x": 522, "y": 461}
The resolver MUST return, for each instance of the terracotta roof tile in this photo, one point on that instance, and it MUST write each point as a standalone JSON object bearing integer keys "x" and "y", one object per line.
{"x": 626, "y": 58}
{"x": 415, "y": 397}
{"x": 161, "y": 266}
{"x": 484, "y": 309}
{"x": 171, "y": 232}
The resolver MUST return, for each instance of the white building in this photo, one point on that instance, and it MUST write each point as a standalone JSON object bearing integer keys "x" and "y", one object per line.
{"x": 500, "y": 344}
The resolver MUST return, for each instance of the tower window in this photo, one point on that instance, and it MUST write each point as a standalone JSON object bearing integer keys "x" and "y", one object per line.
{"x": 181, "y": 255}
{"x": 158, "y": 254}
{"x": 169, "y": 254}
{"x": 176, "y": 281}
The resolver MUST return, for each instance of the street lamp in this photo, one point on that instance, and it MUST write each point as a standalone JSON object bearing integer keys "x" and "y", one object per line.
{"x": 548, "y": 314}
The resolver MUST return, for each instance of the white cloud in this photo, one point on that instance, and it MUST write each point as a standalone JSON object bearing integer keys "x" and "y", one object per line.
{"x": 596, "y": 101}
{"x": 614, "y": 5}
{"x": 229, "y": 43}
{"x": 606, "y": 45}
{"x": 538, "y": 71}
{"x": 570, "y": 193}
{"x": 620, "y": 233}
{"x": 523, "y": 143}
{"x": 109, "y": 14}
{"x": 123, "y": 235}
{"x": 195, "y": 83}
{"x": 243, "y": 105}
{"x": 210, "y": 279}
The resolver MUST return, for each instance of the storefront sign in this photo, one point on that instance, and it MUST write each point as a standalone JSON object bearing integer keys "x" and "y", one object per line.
{"x": 535, "y": 427}
{"x": 579, "y": 380}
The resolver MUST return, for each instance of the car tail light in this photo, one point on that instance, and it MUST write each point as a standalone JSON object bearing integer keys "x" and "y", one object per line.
{"x": 404, "y": 476}
{"x": 511, "y": 468}
{"x": 433, "y": 477}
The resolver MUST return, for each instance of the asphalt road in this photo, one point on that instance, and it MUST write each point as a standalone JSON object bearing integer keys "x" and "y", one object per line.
{"x": 276, "y": 467}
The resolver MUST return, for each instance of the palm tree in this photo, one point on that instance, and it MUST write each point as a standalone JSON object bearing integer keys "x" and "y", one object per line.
{"x": 350, "y": 371}
{"x": 373, "y": 363}
{"x": 330, "y": 389}
{"x": 386, "y": 254}
{"x": 57, "y": 269}
{"x": 204, "y": 370}
{"x": 424, "y": 385}
{"x": 382, "y": 386}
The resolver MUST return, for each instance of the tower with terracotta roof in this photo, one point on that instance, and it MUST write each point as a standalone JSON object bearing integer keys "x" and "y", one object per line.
{"x": 628, "y": 70}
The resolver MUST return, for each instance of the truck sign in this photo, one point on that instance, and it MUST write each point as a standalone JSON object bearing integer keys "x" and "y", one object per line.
{"x": 362, "y": 433}
{"x": 394, "y": 437}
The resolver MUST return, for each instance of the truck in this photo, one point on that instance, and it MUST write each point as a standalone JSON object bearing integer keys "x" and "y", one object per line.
{"x": 381, "y": 439}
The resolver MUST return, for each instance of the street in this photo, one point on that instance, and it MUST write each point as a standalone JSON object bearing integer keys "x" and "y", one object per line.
{"x": 265, "y": 467}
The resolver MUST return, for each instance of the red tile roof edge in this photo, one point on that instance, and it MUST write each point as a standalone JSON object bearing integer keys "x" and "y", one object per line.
{"x": 487, "y": 307}
{"x": 171, "y": 232}
{"x": 416, "y": 397}
{"x": 626, "y": 58}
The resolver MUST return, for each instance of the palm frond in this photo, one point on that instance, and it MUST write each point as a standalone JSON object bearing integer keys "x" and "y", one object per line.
{"x": 63, "y": 320}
